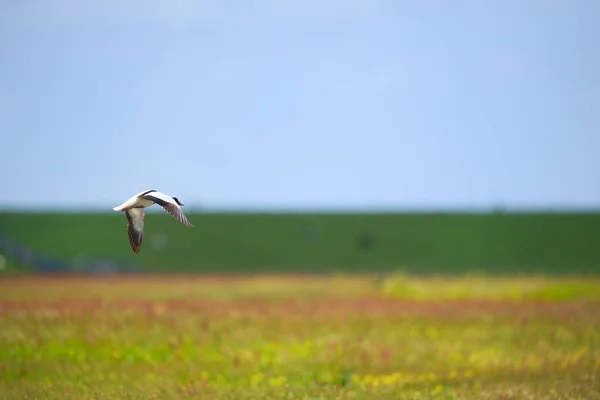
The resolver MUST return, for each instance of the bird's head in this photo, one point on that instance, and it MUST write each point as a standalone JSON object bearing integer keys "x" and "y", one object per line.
{"x": 177, "y": 201}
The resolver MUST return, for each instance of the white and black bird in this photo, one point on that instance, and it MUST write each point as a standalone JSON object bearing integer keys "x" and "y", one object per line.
{"x": 134, "y": 211}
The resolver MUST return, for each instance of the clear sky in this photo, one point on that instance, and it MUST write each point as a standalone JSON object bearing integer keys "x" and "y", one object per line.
{"x": 347, "y": 104}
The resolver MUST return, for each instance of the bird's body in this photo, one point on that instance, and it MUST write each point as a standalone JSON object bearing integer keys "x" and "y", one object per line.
{"x": 134, "y": 211}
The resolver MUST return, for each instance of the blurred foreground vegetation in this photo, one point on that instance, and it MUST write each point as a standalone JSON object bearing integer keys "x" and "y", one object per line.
{"x": 307, "y": 337}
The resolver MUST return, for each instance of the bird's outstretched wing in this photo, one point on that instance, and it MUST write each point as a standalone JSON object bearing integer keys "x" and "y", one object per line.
{"x": 135, "y": 228}
{"x": 170, "y": 206}
{"x": 176, "y": 212}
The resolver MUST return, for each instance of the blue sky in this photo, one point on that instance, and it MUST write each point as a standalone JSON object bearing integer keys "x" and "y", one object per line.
{"x": 355, "y": 104}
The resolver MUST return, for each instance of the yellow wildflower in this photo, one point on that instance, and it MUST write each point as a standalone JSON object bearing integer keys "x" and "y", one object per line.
{"x": 257, "y": 378}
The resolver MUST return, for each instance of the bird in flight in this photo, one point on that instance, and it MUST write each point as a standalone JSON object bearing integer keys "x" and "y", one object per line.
{"x": 134, "y": 211}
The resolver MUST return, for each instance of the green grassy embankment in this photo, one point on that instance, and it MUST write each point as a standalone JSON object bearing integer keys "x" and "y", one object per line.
{"x": 508, "y": 243}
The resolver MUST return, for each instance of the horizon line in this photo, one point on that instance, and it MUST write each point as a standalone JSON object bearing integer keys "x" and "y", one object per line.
{"x": 322, "y": 210}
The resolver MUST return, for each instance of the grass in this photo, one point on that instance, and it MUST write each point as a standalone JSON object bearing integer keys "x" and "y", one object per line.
{"x": 299, "y": 337}
{"x": 449, "y": 243}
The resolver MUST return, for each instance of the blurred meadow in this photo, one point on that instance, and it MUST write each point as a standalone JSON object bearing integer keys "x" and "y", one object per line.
{"x": 299, "y": 337}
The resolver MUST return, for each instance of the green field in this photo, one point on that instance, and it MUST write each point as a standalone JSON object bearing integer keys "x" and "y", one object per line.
{"x": 299, "y": 337}
{"x": 418, "y": 243}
